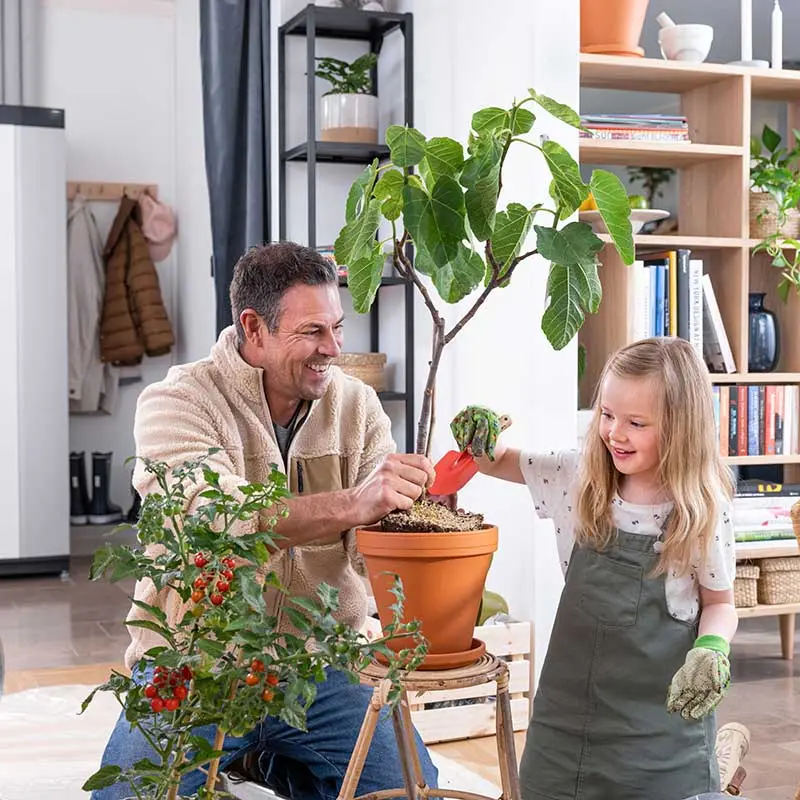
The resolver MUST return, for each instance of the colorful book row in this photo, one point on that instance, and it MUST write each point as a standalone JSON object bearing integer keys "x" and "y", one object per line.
{"x": 757, "y": 419}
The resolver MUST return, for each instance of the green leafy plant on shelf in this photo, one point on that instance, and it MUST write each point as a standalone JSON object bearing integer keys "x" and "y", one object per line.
{"x": 652, "y": 179}
{"x": 347, "y": 77}
{"x": 446, "y": 203}
{"x": 774, "y": 170}
{"x": 224, "y": 662}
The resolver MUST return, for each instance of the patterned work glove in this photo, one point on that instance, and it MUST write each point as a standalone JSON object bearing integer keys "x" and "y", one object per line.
{"x": 702, "y": 681}
{"x": 478, "y": 427}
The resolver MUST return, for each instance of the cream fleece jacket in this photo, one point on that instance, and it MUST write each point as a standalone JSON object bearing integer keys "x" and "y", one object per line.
{"x": 220, "y": 402}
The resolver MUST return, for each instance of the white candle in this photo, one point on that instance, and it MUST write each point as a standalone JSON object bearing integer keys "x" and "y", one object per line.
{"x": 777, "y": 36}
{"x": 747, "y": 29}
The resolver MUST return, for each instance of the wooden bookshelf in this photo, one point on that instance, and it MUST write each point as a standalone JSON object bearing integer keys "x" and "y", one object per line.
{"x": 653, "y": 154}
{"x": 712, "y": 209}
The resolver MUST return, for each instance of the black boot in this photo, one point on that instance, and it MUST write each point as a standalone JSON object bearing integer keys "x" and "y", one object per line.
{"x": 78, "y": 493}
{"x": 102, "y": 511}
{"x": 133, "y": 512}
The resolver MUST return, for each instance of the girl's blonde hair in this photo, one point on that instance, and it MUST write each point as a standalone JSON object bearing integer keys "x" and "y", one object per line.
{"x": 690, "y": 469}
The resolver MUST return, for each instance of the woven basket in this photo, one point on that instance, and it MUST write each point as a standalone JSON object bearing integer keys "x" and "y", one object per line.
{"x": 779, "y": 581}
{"x": 745, "y": 591}
{"x": 367, "y": 367}
{"x": 764, "y": 221}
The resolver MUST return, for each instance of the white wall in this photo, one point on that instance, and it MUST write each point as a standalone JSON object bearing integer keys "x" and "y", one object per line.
{"x": 501, "y": 358}
{"x": 127, "y": 73}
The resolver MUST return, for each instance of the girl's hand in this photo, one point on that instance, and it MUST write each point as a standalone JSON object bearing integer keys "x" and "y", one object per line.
{"x": 701, "y": 683}
{"x": 476, "y": 428}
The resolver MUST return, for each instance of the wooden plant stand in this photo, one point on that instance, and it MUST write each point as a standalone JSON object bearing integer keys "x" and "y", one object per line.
{"x": 489, "y": 669}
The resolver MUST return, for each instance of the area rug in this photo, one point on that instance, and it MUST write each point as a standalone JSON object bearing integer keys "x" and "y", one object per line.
{"x": 47, "y": 751}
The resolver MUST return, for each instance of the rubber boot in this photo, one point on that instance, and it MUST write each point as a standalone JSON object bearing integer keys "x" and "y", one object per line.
{"x": 102, "y": 511}
{"x": 78, "y": 492}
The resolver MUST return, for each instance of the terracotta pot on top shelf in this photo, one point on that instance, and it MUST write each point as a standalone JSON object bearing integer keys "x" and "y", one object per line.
{"x": 443, "y": 576}
{"x": 612, "y": 27}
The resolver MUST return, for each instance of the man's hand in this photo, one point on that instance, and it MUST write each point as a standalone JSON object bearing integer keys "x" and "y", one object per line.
{"x": 477, "y": 428}
{"x": 394, "y": 484}
{"x": 701, "y": 683}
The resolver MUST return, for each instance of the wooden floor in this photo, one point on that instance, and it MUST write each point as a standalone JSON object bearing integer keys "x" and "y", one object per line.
{"x": 70, "y": 631}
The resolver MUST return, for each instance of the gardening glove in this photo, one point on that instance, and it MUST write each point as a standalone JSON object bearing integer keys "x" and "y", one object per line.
{"x": 477, "y": 428}
{"x": 702, "y": 681}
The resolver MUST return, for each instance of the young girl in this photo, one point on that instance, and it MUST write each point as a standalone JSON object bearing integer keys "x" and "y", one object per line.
{"x": 637, "y": 659}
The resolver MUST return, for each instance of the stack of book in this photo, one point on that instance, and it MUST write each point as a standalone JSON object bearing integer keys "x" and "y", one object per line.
{"x": 758, "y": 419}
{"x": 761, "y": 511}
{"x": 635, "y": 127}
{"x": 670, "y": 296}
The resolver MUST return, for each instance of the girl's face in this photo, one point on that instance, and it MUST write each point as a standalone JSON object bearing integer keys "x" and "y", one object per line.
{"x": 629, "y": 425}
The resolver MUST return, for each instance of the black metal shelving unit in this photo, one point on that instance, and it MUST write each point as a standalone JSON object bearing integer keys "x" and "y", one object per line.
{"x": 318, "y": 22}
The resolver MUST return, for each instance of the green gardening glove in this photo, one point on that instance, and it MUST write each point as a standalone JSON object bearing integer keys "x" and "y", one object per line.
{"x": 477, "y": 428}
{"x": 700, "y": 684}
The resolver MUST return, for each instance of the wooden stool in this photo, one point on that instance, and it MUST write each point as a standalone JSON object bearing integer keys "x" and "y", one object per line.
{"x": 487, "y": 669}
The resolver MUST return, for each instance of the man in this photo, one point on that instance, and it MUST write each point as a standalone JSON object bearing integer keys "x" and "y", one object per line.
{"x": 268, "y": 394}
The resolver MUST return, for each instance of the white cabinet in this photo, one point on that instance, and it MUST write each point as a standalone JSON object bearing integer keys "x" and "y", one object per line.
{"x": 34, "y": 421}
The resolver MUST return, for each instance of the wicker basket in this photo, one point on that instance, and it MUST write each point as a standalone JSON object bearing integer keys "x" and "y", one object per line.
{"x": 367, "y": 367}
{"x": 763, "y": 218}
{"x": 745, "y": 592}
{"x": 779, "y": 581}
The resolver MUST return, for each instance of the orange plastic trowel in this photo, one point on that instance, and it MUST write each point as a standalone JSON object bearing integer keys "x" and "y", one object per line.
{"x": 453, "y": 470}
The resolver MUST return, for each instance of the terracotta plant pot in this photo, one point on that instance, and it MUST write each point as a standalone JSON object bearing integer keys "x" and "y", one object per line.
{"x": 612, "y": 27}
{"x": 443, "y": 576}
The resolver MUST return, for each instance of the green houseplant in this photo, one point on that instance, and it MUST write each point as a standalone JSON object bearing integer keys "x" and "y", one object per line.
{"x": 774, "y": 197}
{"x": 652, "y": 179}
{"x": 349, "y": 109}
{"x": 445, "y": 203}
{"x": 223, "y": 662}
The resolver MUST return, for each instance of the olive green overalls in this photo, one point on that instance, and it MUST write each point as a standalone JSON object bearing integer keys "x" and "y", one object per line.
{"x": 600, "y": 729}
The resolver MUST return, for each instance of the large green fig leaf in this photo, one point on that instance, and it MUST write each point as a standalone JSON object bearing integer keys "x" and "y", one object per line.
{"x": 510, "y": 229}
{"x": 490, "y": 119}
{"x": 459, "y": 277}
{"x": 573, "y": 285}
{"x": 481, "y": 176}
{"x": 556, "y": 109}
{"x": 364, "y": 277}
{"x": 389, "y": 190}
{"x": 361, "y": 186}
{"x": 356, "y": 240}
{"x": 436, "y": 220}
{"x": 567, "y": 188}
{"x": 521, "y": 120}
{"x": 443, "y": 156}
{"x": 406, "y": 145}
{"x": 614, "y": 207}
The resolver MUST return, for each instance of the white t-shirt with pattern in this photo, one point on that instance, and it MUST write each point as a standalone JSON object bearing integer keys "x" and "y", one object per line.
{"x": 552, "y": 481}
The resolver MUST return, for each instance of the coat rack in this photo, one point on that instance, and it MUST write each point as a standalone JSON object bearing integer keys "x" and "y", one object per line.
{"x": 94, "y": 190}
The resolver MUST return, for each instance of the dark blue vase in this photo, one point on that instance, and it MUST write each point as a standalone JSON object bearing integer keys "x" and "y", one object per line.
{"x": 764, "y": 347}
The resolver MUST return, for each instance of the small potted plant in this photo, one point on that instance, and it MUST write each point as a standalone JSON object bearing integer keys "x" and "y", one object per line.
{"x": 223, "y": 662}
{"x": 445, "y": 203}
{"x": 774, "y": 197}
{"x": 349, "y": 108}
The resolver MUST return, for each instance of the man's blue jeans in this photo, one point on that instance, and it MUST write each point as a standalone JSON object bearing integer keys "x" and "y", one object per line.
{"x": 296, "y": 765}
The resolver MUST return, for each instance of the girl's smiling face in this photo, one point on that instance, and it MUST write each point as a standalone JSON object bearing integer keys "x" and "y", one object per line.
{"x": 629, "y": 426}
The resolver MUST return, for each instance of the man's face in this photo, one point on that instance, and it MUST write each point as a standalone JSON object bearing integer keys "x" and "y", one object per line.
{"x": 296, "y": 358}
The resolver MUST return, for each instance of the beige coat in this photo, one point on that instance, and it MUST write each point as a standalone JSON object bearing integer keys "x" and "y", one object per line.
{"x": 219, "y": 402}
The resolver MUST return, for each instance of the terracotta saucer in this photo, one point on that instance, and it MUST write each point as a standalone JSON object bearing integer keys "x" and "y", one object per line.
{"x": 449, "y": 660}
{"x": 613, "y": 50}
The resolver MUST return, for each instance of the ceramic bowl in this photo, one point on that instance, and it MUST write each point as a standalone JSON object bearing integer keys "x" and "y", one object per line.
{"x": 639, "y": 217}
{"x": 686, "y": 42}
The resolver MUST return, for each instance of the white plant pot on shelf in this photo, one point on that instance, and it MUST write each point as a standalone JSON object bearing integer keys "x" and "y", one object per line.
{"x": 349, "y": 118}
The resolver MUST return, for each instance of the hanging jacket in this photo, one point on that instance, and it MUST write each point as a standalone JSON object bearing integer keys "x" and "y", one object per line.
{"x": 134, "y": 321}
{"x": 92, "y": 385}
